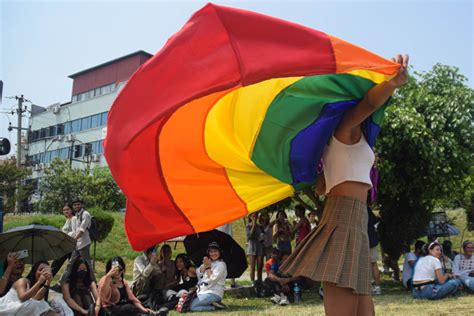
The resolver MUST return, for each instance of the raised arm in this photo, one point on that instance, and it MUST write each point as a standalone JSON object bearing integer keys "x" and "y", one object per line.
{"x": 349, "y": 131}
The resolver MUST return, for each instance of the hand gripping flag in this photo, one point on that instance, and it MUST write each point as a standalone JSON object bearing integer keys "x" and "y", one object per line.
{"x": 230, "y": 116}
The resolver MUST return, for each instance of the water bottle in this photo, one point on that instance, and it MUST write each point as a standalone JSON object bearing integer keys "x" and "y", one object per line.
{"x": 297, "y": 293}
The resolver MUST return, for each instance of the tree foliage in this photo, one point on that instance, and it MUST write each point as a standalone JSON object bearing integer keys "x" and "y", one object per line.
{"x": 425, "y": 150}
{"x": 9, "y": 175}
{"x": 62, "y": 184}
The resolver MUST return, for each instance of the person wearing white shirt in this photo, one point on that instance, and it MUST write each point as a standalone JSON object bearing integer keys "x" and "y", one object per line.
{"x": 211, "y": 281}
{"x": 429, "y": 282}
{"x": 463, "y": 266}
{"x": 69, "y": 228}
{"x": 409, "y": 262}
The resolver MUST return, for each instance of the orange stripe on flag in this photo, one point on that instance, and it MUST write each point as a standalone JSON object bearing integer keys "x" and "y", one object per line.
{"x": 197, "y": 184}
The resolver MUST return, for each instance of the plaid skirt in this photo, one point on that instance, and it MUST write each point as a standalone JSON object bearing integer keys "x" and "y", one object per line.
{"x": 337, "y": 251}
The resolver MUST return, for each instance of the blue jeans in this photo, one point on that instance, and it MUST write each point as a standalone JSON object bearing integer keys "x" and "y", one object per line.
{"x": 202, "y": 302}
{"x": 437, "y": 291}
{"x": 468, "y": 282}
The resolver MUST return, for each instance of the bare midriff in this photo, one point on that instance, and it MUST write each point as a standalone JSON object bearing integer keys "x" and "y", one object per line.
{"x": 353, "y": 189}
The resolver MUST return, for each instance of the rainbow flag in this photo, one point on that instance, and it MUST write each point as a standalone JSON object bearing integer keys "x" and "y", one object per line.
{"x": 230, "y": 116}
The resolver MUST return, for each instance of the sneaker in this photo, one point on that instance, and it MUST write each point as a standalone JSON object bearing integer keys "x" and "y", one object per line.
{"x": 219, "y": 305}
{"x": 236, "y": 286}
{"x": 284, "y": 301}
{"x": 321, "y": 293}
{"x": 276, "y": 299}
{"x": 376, "y": 290}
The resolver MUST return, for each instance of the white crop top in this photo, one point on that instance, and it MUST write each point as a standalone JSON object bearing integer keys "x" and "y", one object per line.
{"x": 347, "y": 162}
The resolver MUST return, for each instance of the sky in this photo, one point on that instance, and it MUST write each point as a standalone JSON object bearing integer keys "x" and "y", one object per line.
{"x": 43, "y": 42}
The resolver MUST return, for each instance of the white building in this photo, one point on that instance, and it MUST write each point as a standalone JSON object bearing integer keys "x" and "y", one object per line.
{"x": 75, "y": 130}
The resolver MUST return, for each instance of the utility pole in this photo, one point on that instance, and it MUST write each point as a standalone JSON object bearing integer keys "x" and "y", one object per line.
{"x": 19, "y": 111}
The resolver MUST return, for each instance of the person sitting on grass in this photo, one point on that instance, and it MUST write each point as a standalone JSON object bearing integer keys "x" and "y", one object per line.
{"x": 148, "y": 280}
{"x": 28, "y": 296}
{"x": 186, "y": 277}
{"x": 429, "y": 282}
{"x": 463, "y": 267}
{"x": 79, "y": 290}
{"x": 280, "y": 284}
{"x": 115, "y": 296}
{"x": 211, "y": 281}
{"x": 13, "y": 272}
{"x": 409, "y": 262}
{"x": 167, "y": 266}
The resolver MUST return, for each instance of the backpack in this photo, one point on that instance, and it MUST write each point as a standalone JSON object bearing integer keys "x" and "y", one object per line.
{"x": 93, "y": 228}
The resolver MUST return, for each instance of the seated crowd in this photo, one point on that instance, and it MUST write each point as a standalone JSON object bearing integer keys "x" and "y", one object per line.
{"x": 161, "y": 283}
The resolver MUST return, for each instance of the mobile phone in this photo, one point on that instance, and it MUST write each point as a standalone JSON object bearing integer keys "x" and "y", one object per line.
{"x": 22, "y": 254}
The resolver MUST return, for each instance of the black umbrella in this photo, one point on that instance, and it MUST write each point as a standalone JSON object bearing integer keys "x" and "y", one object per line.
{"x": 42, "y": 242}
{"x": 233, "y": 254}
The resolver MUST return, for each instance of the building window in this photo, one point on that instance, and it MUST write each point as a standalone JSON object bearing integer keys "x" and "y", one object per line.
{"x": 103, "y": 119}
{"x": 52, "y": 131}
{"x": 78, "y": 151}
{"x": 76, "y": 126}
{"x": 60, "y": 129}
{"x": 86, "y": 123}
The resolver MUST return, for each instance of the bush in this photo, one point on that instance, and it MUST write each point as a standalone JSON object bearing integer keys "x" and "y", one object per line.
{"x": 55, "y": 220}
{"x": 104, "y": 220}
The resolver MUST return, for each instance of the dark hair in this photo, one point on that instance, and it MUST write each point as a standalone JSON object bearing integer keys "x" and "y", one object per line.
{"x": 465, "y": 243}
{"x": 284, "y": 213}
{"x": 275, "y": 251}
{"x": 188, "y": 263}
{"x": 77, "y": 200}
{"x": 68, "y": 205}
{"x": 32, "y": 275}
{"x": 427, "y": 247}
{"x": 215, "y": 245}
{"x": 419, "y": 245}
{"x": 165, "y": 246}
{"x": 300, "y": 207}
{"x": 108, "y": 266}
{"x": 149, "y": 250}
{"x": 72, "y": 278}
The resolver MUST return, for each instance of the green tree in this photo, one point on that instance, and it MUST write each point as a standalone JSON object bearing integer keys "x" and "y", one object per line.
{"x": 425, "y": 150}
{"x": 102, "y": 191}
{"x": 62, "y": 184}
{"x": 9, "y": 175}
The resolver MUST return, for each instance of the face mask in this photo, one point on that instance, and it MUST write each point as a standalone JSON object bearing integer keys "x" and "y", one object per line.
{"x": 81, "y": 274}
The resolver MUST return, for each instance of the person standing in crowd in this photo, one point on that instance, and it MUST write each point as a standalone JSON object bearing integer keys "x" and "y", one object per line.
{"x": 147, "y": 276}
{"x": 28, "y": 296}
{"x": 264, "y": 221}
{"x": 429, "y": 282}
{"x": 463, "y": 267}
{"x": 68, "y": 228}
{"x": 337, "y": 253}
{"x": 312, "y": 218}
{"x": 83, "y": 240}
{"x": 409, "y": 262}
{"x": 255, "y": 237}
{"x": 167, "y": 266}
{"x": 282, "y": 232}
{"x": 374, "y": 254}
{"x": 211, "y": 281}
{"x": 115, "y": 296}
{"x": 79, "y": 290}
{"x": 301, "y": 228}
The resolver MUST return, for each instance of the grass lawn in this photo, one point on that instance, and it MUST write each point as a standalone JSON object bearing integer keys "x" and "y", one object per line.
{"x": 394, "y": 300}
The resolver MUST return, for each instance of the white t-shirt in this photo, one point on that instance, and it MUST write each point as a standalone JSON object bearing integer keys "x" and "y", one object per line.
{"x": 425, "y": 269}
{"x": 407, "y": 269}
